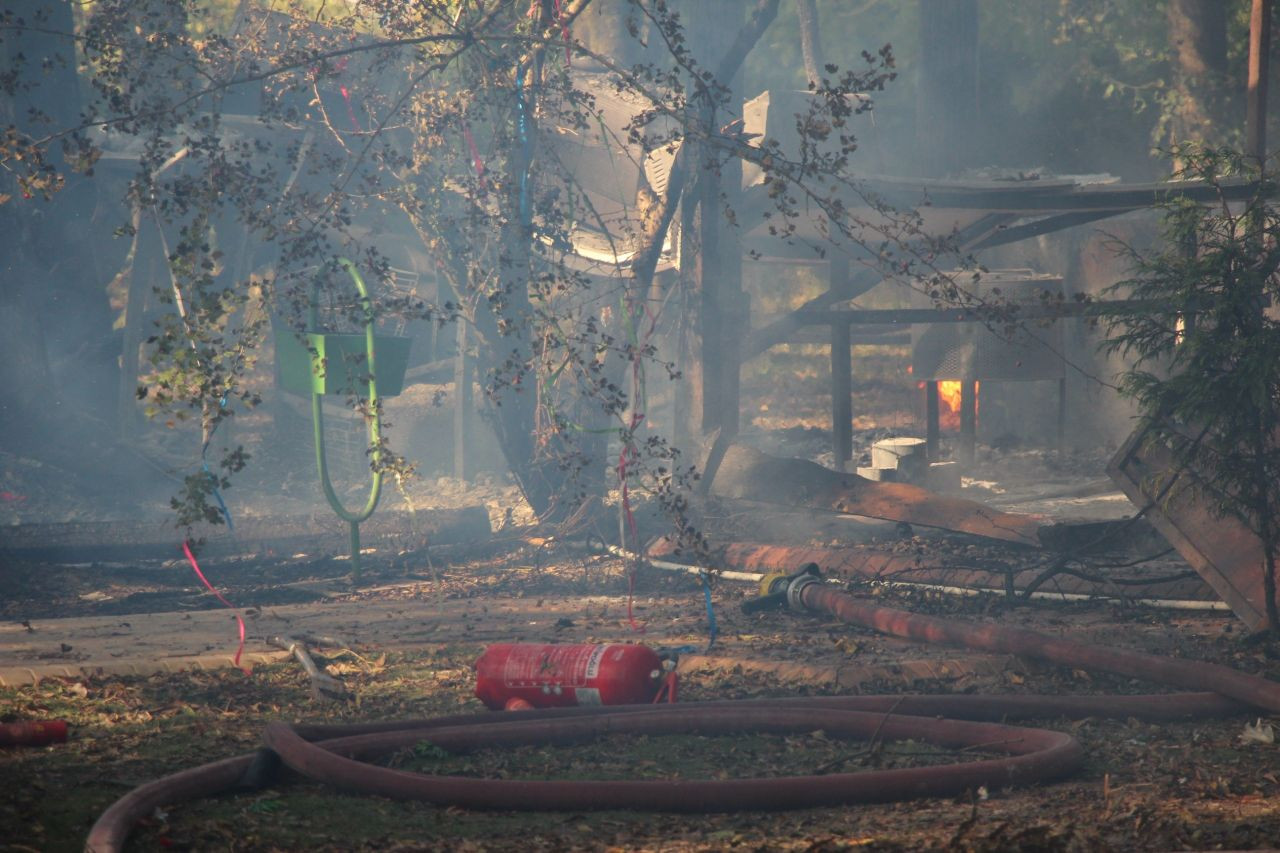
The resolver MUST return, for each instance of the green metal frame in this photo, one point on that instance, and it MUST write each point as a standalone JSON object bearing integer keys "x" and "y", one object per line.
{"x": 374, "y": 421}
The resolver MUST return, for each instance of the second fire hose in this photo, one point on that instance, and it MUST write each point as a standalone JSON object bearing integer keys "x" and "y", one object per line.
{"x": 805, "y": 591}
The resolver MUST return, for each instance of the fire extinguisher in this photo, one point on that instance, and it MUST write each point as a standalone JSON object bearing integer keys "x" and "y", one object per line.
{"x": 33, "y": 733}
{"x": 519, "y": 675}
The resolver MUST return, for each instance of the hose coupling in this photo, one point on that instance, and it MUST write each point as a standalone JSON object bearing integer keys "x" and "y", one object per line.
{"x": 795, "y": 590}
{"x": 780, "y": 590}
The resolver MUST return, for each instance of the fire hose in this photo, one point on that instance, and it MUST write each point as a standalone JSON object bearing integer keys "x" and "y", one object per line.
{"x": 805, "y": 591}
{"x": 337, "y": 754}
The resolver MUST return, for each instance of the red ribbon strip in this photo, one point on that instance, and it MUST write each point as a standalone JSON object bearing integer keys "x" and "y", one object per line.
{"x": 191, "y": 558}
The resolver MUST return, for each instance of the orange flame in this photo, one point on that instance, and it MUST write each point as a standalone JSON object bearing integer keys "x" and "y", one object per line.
{"x": 949, "y": 402}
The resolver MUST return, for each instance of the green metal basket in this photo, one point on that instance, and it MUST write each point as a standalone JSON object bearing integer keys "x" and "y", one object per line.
{"x": 340, "y": 364}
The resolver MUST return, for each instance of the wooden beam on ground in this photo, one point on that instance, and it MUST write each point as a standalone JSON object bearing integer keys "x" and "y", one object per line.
{"x": 748, "y": 474}
{"x": 1222, "y": 550}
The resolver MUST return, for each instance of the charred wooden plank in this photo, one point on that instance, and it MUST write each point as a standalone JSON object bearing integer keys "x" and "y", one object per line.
{"x": 1225, "y": 552}
{"x": 747, "y": 473}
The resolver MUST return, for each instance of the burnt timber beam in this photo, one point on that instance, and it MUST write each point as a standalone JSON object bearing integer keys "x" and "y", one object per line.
{"x": 897, "y": 336}
{"x": 1071, "y": 199}
{"x": 1048, "y": 225}
{"x": 853, "y": 286}
{"x": 1022, "y": 198}
{"x": 781, "y": 329}
{"x": 905, "y": 316}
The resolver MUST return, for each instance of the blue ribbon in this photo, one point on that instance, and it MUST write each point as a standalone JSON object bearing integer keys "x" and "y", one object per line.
{"x": 522, "y": 126}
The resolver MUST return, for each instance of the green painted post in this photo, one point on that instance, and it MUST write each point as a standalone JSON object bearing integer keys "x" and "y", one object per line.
{"x": 375, "y": 422}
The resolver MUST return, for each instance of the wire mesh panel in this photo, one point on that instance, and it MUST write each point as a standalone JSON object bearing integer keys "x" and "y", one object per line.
{"x": 346, "y": 440}
{"x": 1031, "y": 350}
{"x": 402, "y": 285}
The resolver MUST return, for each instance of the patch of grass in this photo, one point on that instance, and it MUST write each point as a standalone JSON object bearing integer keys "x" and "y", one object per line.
{"x": 670, "y": 757}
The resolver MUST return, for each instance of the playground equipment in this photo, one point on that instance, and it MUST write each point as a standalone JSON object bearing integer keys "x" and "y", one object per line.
{"x": 317, "y": 363}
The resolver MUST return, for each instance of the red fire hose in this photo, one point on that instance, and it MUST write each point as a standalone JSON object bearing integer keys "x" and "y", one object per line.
{"x": 1225, "y": 681}
{"x": 1031, "y": 754}
{"x": 1059, "y": 757}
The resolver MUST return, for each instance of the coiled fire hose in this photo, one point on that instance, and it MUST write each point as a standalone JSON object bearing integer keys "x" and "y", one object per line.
{"x": 336, "y": 753}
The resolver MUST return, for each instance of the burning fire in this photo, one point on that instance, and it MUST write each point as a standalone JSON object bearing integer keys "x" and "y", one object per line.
{"x": 949, "y": 402}
{"x": 949, "y": 399}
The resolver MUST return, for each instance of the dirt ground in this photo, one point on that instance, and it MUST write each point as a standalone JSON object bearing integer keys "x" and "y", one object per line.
{"x": 1192, "y": 785}
{"x": 136, "y": 656}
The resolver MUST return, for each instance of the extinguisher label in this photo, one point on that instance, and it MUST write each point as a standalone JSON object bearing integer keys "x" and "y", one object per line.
{"x": 593, "y": 662}
{"x": 541, "y": 665}
{"x": 587, "y": 695}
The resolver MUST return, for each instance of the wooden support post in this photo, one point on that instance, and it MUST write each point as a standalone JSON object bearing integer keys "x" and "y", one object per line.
{"x": 708, "y": 274}
{"x": 841, "y": 395}
{"x": 735, "y": 304}
{"x": 736, "y": 317}
{"x": 932, "y": 420}
{"x": 841, "y": 371}
{"x": 463, "y": 409}
{"x": 1256, "y": 96}
{"x": 688, "y": 391}
{"x": 1062, "y": 415}
{"x": 968, "y": 421}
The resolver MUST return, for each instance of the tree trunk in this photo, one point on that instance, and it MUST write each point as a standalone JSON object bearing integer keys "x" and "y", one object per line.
{"x": 34, "y": 231}
{"x": 605, "y": 29}
{"x": 1198, "y": 39}
{"x": 810, "y": 43}
{"x": 1269, "y": 583}
{"x": 947, "y": 107}
{"x": 547, "y": 465}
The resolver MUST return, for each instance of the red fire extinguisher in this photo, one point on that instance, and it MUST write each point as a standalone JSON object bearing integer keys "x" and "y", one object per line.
{"x": 551, "y": 676}
{"x": 33, "y": 733}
